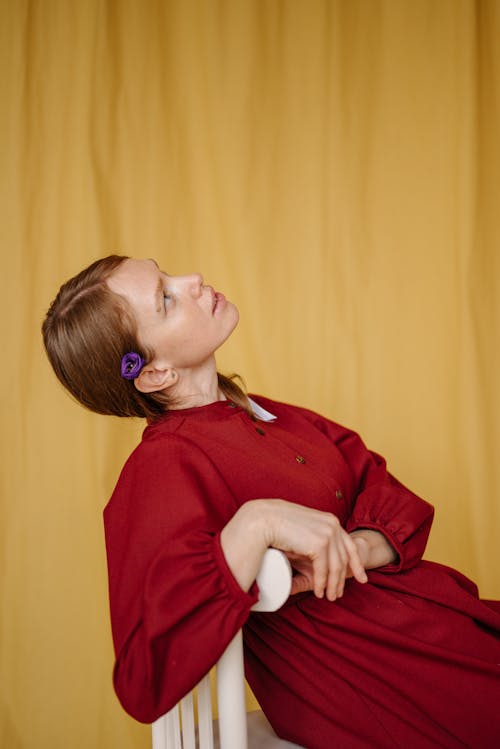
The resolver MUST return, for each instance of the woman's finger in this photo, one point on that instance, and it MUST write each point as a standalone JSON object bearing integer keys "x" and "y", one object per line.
{"x": 300, "y": 584}
{"x": 355, "y": 563}
{"x": 338, "y": 565}
{"x": 344, "y": 555}
{"x": 320, "y": 574}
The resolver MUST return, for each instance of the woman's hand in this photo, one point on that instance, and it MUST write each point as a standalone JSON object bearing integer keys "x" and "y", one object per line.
{"x": 323, "y": 552}
{"x": 373, "y": 549}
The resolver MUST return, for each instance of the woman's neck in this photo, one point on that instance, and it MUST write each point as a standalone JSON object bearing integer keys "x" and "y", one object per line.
{"x": 197, "y": 387}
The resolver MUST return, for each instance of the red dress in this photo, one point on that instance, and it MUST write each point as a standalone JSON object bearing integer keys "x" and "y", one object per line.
{"x": 408, "y": 660}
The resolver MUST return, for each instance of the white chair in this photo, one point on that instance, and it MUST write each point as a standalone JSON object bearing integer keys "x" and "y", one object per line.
{"x": 236, "y": 729}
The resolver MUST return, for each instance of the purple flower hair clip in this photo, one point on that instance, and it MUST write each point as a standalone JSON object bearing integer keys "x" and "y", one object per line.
{"x": 132, "y": 365}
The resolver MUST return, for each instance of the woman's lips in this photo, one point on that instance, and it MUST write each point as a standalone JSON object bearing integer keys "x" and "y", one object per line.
{"x": 219, "y": 301}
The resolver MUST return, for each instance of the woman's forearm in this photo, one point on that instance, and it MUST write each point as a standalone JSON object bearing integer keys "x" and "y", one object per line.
{"x": 243, "y": 542}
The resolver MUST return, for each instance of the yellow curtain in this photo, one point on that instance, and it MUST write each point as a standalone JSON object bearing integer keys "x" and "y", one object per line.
{"x": 334, "y": 167}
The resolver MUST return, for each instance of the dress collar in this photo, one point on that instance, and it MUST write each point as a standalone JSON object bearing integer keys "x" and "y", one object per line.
{"x": 260, "y": 412}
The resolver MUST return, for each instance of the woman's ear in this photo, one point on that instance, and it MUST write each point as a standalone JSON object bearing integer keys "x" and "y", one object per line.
{"x": 153, "y": 379}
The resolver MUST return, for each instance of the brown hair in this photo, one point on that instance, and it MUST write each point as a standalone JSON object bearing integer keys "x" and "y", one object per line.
{"x": 87, "y": 331}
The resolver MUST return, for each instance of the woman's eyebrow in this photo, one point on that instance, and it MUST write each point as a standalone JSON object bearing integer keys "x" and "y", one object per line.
{"x": 159, "y": 295}
{"x": 159, "y": 289}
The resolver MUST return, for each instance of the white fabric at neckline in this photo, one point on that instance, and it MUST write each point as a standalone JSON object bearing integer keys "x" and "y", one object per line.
{"x": 261, "y": 413}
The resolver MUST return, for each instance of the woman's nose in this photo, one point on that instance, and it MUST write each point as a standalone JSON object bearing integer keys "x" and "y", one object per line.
{"x": 192, "y": 283}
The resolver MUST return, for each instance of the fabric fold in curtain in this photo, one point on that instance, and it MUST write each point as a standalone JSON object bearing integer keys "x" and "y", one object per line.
{"x": 332, "y": 166}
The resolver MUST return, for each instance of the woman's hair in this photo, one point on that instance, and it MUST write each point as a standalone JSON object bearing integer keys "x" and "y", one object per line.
{"x": 87, "y": 331}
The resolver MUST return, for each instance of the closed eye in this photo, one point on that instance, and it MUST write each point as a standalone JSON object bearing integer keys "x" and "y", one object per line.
{"x": 168, "y": 299}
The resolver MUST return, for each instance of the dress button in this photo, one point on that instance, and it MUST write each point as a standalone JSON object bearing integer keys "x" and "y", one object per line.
{"x": 339, "y": 494}
{"x": 259, "y": 430}
{"x": 300, "y": 459}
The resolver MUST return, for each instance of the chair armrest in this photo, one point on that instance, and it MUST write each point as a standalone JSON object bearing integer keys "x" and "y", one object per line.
{"x": 274, "y": 580}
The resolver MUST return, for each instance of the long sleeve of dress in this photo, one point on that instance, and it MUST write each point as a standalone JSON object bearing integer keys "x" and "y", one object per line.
{"x": 385, "y": 505}
{"x": 174, "y": 602}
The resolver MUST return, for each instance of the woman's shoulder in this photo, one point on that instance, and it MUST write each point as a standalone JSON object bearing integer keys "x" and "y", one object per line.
{"x": 162, "y": 445}
{"x": 158, "y": 453}
{"x": 162, "y": 463}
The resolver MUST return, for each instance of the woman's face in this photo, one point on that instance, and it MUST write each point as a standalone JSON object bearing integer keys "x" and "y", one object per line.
{"x": 180, "y": 318}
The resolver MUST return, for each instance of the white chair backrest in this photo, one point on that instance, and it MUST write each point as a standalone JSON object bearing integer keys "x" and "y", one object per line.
{"x": 274, "y": 580}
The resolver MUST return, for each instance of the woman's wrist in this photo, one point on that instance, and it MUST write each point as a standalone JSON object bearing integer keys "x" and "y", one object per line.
{"x": 373, "y": 547}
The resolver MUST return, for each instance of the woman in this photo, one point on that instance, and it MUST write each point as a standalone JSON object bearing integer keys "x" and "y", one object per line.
{"x": 374, "y": 648}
